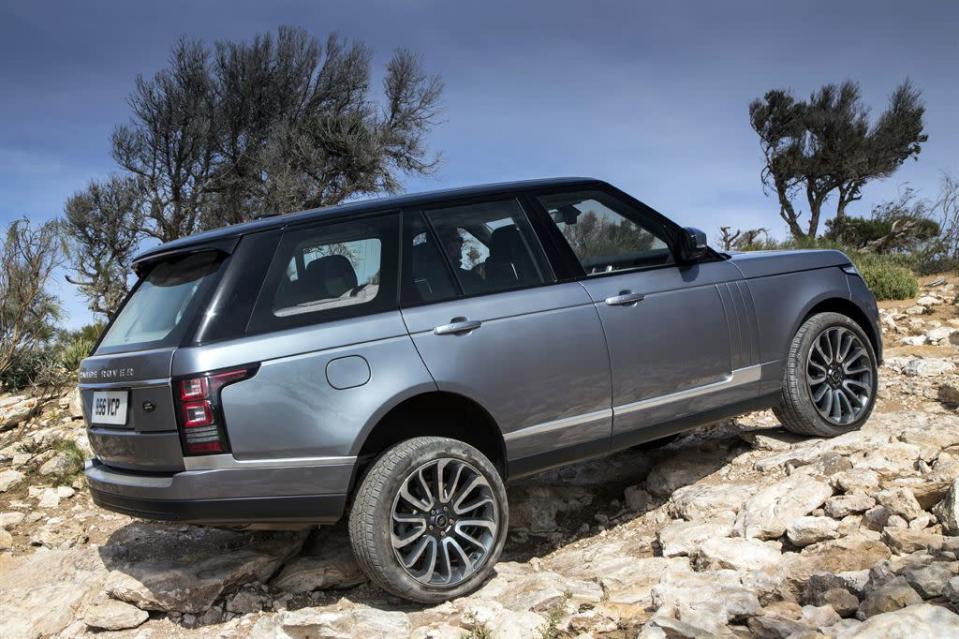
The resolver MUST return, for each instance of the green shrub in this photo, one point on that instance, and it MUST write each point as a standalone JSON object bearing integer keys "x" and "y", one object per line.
{"x": 886, "y": 277}
{"x": 34, "y": 367}
{"x": 75, "y": 351}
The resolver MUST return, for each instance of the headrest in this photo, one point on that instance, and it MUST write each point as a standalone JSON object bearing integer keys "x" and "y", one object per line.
{"x": 331, "y": 276}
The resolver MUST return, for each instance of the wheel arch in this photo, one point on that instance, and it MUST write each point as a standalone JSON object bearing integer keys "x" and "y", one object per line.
{"x": 850, "y": 309}
{"x": 433, "y": 413}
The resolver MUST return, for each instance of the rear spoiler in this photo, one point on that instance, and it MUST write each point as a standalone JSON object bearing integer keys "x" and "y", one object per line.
{"x": 143, "y": 261}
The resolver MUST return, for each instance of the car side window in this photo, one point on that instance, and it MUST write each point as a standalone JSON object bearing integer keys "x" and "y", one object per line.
{"x": 426, "y": 275}
{"x": 491, "y": 246}
{"x": 605, "y": 234}
{"x": 330, "y": 271}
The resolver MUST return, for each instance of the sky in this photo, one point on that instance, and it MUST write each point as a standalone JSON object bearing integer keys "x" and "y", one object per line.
{"x": 651, "y": 97}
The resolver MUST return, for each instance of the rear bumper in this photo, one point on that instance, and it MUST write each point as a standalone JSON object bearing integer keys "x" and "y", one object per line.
{"x": 311, "y": 491}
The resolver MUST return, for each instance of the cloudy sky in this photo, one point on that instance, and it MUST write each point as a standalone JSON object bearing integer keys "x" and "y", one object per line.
{"x": 650, "y": 96}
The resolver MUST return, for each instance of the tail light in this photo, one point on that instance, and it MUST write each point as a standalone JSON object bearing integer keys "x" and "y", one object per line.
{"x": 200, "y": 411}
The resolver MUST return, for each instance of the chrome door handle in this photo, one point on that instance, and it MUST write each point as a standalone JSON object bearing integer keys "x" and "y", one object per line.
{"x": 625, "y": 298}
{"x": 457, "y": 325}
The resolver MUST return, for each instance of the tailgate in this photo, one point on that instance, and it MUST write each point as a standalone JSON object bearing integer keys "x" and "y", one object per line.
{"x": 129, "y": 412}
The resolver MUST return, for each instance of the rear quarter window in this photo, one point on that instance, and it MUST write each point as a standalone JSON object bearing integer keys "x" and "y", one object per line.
{"x": 330, "y": 271}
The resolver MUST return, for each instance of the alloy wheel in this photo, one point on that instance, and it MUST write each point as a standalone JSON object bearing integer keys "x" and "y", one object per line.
{"x": 839, "y": 374}
{"x": 444, "y": 522}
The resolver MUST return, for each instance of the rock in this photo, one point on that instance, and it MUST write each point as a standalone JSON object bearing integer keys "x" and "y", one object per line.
{"x": 670, "y": 627}
{"x": 843, "y": 505}
{"x": 892, "y": 595}
{"x": 900, "y": 501}
{"x": 329, "y": 563}
{"x": 636, "y": 498}
{"x": 895, "y": 521}
{"x": 947, "y": 511}
{"x": 803, "y": 531}
{"x": 61, "y": 464}
{"x": 684, "y": 537}
{"x": 842, "y": 601}
{"x": 704, "y": 589}
{"x": 928, "y": 367}
{"x": 948, "y": 394}
{"x": 9, "y": 479}
{"x": 737, "y": 553}
{"x": 16, "y": 410}
{"x": 767, "y": 513}
{"x": 683, "y": 470}
{"x": 923, "y": 620}
{"x": 929, "y": 581}
{"x": 855, "y": 552}
{"x": 939, "y": 335}
{"x": 534, "y": 508}
{"x": 708, "y": 502}
{"x": 820, "y": 616}
{"x": 860, "y": 480}
{"x": 778, "y": 621}
{"x": 247, "y": 601}
{"x": 114, "y": 615}
{"x": 10, "y": 519}
{"x": 337, "y": 623}
{"x": 876, "y": 518}
{"x": 49, "y": 498}
{"x": 922, "y": 521}
{"x": 186, "y": 569}
{"x": 951, "y": 590}
{"x": 76, "y": 404}
{"x": 906, "y": 541}
{"x": 6, "y": 540}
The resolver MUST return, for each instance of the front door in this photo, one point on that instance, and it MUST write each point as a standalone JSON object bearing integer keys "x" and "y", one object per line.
{"x": 676, "y": 334}
{"x": 485, "y": 313}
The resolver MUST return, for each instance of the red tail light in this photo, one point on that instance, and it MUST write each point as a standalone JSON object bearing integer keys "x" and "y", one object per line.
{"x": 200, "y": 413}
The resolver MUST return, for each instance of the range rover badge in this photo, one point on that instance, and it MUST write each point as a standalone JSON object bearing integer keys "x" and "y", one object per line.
{"x": 149, "y": 406}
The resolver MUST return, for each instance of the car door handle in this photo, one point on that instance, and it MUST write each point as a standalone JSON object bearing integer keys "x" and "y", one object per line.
{"x": 625, "y": 298}
{"x": 457, "y": 325}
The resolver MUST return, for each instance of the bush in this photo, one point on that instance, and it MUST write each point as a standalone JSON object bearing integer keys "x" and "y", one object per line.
{"x": 34, "y": 367}
{"x": 74, "y": 351}
{"x": 886, "y": 277}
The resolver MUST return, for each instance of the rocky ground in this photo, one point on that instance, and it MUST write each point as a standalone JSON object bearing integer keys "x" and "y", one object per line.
{"x": 738, "y": 529}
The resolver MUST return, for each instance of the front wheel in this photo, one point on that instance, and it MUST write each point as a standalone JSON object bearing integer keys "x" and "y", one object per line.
{"x": 429, "y": 519}
{"x": 831, "y": 378}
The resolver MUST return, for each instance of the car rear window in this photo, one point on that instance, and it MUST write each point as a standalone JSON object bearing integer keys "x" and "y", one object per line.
{"x": 162, "y": 303}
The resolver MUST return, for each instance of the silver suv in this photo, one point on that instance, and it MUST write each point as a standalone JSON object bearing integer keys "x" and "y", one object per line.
{"x": 399, "y": 359}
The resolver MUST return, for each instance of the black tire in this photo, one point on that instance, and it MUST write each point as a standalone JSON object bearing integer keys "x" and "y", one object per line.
{"x": 797, "y": 410}
{"x": 372, "y": 517}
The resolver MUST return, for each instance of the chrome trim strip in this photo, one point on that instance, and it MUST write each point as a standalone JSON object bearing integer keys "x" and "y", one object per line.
{"x": 229, "y": 462}
{"x": 140, "y": 383}
{"x": 738, "y": 377}
{"x": 566, "y": 422}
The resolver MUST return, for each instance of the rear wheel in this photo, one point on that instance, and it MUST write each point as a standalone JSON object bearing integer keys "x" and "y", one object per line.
{"x": 831, "y": 378}
{"x": 429, "y": 519}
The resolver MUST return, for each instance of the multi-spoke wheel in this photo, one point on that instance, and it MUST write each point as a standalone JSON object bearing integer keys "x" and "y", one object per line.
{"x": 830, "y": 380}
{"x": 429, "y": 519}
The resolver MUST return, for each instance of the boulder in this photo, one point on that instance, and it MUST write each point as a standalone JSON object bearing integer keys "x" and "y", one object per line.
{"x": 534, "y": 507}
{"x": 684, "y": 537}
{"x": 343, "y": 620}
{"x": 636, "y": 498}
{"x": 187, "y": 569}
{"x": 61, "y": 464}
{"x": 923, "y": 620}
{"x": 681, "y": 470}
{"x": 842, "y": 505}
{"x": 707, "y": 502}
{"x": 892, "y": 595}
{"x": 767, "y": 513}
{"x": 906, "y": 541}
{"x": 9, "y": 479}
{"x": 929, "y": 581}
{"x": 900, "y": 501}
{"x": 803, "y": 531}
{"x": 114, "y": 615}
{"x": 927, "y": 367}
{"x": 737, "y": 553}
{"x": 947, "y": 511}
{"x": 328, "y": 563}
{"x": 704, "y": 589}
{"x": 855, "y": 552}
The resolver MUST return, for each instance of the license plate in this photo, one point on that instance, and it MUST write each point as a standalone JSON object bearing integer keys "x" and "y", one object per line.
{"x": 110, "y": 407}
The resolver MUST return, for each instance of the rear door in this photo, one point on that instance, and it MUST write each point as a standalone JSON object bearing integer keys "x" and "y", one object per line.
{"x": 491, "y": 322}
{"x": 125, "y": 385}
{"x": 678, "y": 335}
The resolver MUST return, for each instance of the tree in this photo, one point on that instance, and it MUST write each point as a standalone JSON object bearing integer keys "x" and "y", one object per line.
{"x": 27, "y": 310}
{"x": 277, "y": 124}
{"x": 104, "y": 224}
{"x": 826, "y": 145}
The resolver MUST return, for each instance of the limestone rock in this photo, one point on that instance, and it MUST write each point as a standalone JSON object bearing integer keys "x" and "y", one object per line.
{"x": 61, "y": 464}
{"x": 900, "y": 501}
{"x": 929, "y": 581}
{"x": 905, "y": 541}
{"x": 114, "y": 615}
{"x": 767, "y": 513}
{"x": 947, "y": 511}
{"x": 893, "y": 595}
{"x": 683, "y": 470}
{"x": 9, "y": 479}
{"x": 708, "y": 502}
{"x": 636, "y": 498}
{"x": 684, "y": 537}
{"x": 843, "y": 505}
{"x": 923, "y": 620}
{"x": 803, "y": 531}
{"x": 737, "y": 553}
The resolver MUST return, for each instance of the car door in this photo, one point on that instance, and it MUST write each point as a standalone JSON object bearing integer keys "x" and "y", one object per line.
{"x": 484, "y": 309}
{"x": 681, "y": 338}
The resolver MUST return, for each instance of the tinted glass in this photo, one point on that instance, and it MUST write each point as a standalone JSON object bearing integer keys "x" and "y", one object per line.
{"x": 160, "y": 304}
{"x": 605, "y": 234}
{"x": 427, "y": 276}
{"x": 491, "y": 246}
{"x": 328, "y": 271}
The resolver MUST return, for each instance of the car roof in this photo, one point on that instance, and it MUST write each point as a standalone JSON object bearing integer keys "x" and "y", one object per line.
{"x": 358, "y": 207}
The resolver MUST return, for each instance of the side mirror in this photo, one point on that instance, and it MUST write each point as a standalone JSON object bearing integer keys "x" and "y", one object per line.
{"x": 693, "y": 245}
